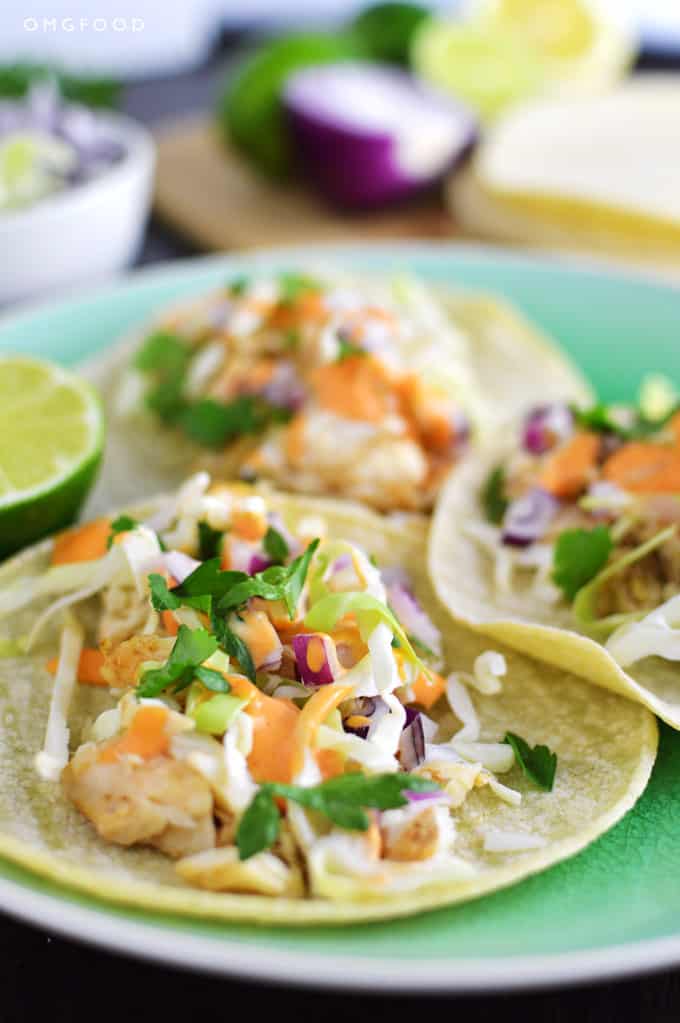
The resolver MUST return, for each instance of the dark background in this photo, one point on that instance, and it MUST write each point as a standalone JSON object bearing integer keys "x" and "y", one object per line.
{"x": 56, "y": 981}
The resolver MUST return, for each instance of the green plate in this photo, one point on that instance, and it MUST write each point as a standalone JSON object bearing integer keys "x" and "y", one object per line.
{"x": 612, "y": 910}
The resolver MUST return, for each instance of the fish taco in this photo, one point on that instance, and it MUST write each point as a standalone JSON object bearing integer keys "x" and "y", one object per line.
{"x": 369, "y": 389}
{"x": 252, "y": 707}
{"x": 563, "y": 540}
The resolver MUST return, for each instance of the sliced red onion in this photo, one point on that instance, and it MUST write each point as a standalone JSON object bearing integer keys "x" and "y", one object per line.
{"x": 461, "y": 430}
{"x": 244, "y": 556}
{"x": 367, "y": 134}
{"x": 613, "y": 498}
{"x": 547, "y": 426}
{"x": 316, "y": 658}
{"x": 424, "y": 797}
{"x": 373, "y": 707}
{"x": 528, "y": 518}
{"x": 412, "y": 741}
{"x": 412, "y": 617}
{"x": 342, "y": 574}
{"x": 258, "y": 563}
{"x": 42, "y": 112}
{"x": 272, "y": 661}
{"x": 284, "y": 388}
{"x": 179, "y": 565}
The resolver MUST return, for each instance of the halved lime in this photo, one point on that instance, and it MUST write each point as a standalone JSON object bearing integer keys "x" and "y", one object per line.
{"x": 506, "y": 51}
{"x": 488, "y": 68}
{"x": 51, "y": 440}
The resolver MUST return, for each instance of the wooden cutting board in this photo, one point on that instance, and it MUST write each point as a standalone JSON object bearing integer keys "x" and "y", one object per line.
{"x": 214, "y": 197}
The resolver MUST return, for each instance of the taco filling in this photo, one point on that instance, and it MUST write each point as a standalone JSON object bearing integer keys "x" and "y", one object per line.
{"x": 281, "y": 718}
{"x": 319, "y": 385}
{"x": 585, "y": 512}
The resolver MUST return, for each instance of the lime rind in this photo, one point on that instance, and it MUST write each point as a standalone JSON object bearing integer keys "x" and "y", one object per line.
{"x": 51, "y": 443}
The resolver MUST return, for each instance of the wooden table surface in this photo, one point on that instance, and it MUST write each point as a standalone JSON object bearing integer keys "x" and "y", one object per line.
{"x": 45, "y": 978}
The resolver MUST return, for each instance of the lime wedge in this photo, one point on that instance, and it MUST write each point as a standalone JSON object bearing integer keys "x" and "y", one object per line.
{"x": 51, "y": 440}
{"x": 506, "y": 51}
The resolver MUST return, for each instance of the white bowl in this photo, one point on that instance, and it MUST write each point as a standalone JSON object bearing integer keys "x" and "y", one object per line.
{"x": 85, "y": 233}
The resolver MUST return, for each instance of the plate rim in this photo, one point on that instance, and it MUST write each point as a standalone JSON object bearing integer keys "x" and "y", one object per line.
{"x": 532, "y": 259}
{"x": 154, "y": 941}
{"x": 229, "y": 958}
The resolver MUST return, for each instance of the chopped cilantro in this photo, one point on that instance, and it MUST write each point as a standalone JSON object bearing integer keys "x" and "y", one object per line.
{"x": 292, "y": 285}
{"x": 278, "y": 582}
{"x": 233, "y": 645}
{"x": 275, "y": 546}
{"x": 123, "y": 524}
{"x": 166, "y": 357}
{"x": 347, "y": 349}
{"x": 192, "y": 647}
{"x": 494, "y": 501}
{"x": 600, "y": 419}
{"x": 238, "y": 285}
{"x": 209, "y": 541}
{"x": 579, "y": 555}
{"x": 213, "y": 424}
{"x": 341, "y": 799}
{"x": 218, "y": 594}
{"x": 538, "y": 764}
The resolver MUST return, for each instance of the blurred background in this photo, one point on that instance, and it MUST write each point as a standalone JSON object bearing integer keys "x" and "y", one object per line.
{"x": 549, "y": 124}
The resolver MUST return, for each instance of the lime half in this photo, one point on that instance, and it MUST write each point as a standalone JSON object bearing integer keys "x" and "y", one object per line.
{"x": 51, "y": 440}
{"x": 507, "y": 51}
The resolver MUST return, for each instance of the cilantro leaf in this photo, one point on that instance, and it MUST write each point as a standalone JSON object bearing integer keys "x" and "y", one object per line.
{"x": 493, "y": 497}
{"x": 599, "y": 419}
{"x": 275, "y": 545}
{"x": 341, "y": 799}
{"x": 192, "y": 647}
{"x": 346, "y": 349}
{"x": 278, "y": 582}
{"x": 259, "y": 826}
{"x": 212, "y": 680}
{"x": 165, "y": 599}
{"x": 238, "y": 285}
{"x": 122, "y": 524}
{"x": 234, "y": 646}
{"x": 162, "y": 598}
{"x": 214, "y": 424}
{"x": 209, "y": 579}
{"x": 166, "y": 356}
{"x": 292, "y": 285}
{"x": 579, "y": 555}
{"x": 162, "y": 352}
{"x": 539, "y": 764}
{"x": 209, "y": 541}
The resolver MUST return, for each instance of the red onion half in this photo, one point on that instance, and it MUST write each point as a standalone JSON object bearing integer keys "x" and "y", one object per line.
{"x": 367, "y": 135}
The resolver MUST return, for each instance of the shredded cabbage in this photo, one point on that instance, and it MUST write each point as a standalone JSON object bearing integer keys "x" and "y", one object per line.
{"x": 53, "y": 757}
{"x": 656, "y": 635}
{"x": 461, "y": 705}
{"x": 510, "y": 841}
